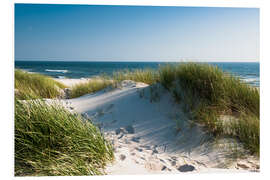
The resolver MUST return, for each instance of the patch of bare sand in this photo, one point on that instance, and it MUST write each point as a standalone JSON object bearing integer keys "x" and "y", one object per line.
{"x": 72, "y": 82}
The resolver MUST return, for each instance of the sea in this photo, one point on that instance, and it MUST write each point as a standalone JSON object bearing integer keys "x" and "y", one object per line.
{"x": 249, "y": 72}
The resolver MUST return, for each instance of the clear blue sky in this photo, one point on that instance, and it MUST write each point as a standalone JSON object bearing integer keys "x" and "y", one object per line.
{"x": 135, "y": 33}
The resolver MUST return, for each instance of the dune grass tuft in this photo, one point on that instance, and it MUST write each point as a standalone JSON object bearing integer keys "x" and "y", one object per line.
{"x": 35, "y": 86}
{"x": 208, "y": 93}
{"x": 93, "y": 85}
{"x": 51, "y": 141}
{"x": 147, "y": 76}
{"x": 167, "y": 75}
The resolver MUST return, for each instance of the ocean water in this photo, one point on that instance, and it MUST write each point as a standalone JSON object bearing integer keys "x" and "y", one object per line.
{"x": 248, "y": 72}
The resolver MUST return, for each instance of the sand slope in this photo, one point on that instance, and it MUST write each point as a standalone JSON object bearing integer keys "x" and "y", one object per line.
{"x": 140, "y": 121}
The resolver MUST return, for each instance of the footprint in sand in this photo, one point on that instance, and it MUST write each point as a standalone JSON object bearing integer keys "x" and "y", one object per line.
{"x": 200, "y": 163}
{"x": 100, "y": 112}
{"x": 173, "y": 163}
{"x": 120, "y": 136}
{"x": 164, "y": 168}
{"x": 174, "y": 157}
{"x": 125, "y": 130}
{"x": 146, "y": 147}
{"x": 135, "y": 139}
{"x": 97, "y": 114}
{"x": 162, "y": 161}
{"x": 130, "y": 129}
{"x": 109, "y": 107}
{"x": 139, "y": 149}
{"x": 186, "y": 168}
{"x": 137, "y": 162}
{"x": 122, "y": 157}
{"x": 154, "y": 152}
{"x": 155, "y": 166}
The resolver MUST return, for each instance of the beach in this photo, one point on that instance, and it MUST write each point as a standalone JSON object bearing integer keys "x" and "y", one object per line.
{"x": 72, "y": 82}
{"x": 136, "y": 89}
{"x": 140, "y": 121}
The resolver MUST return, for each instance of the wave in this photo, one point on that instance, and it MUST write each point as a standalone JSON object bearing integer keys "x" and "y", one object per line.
{"x": 56, "y": 70}
{"x": 251, "y": 79}
{"x": 61, "y": 77}
{"x": 251, "y": 74}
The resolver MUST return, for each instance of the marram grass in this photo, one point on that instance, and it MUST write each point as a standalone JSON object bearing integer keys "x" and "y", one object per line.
{"x": 92, "y": 86}
{"x": 208, "y": 93}
{"x": 50, "y": 141}
{"x": 147, "y": 76}
{"x": 35, "y": 86}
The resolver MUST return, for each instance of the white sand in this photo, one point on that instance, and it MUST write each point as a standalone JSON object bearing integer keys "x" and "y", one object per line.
{"x": 72, "y": 82}
{"x": 156, "y": 145}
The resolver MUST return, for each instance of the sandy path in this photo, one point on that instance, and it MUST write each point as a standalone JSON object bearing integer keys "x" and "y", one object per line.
{"x": 140, "y": 121}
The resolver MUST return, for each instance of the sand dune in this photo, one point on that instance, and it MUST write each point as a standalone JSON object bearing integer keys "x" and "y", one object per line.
{"x": 140, "y": 121}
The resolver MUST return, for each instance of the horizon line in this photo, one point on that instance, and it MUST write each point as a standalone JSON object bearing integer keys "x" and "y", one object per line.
{"x": 183, "y": 60}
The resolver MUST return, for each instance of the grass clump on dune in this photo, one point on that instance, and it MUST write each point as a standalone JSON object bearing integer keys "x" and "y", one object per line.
{"x": 218, "y": 88}
{"x": 34, "y": 86}
{"x": 93, "y": 85}
{"x": 167, "y": 74}
{"x": 147, "y": 76}
{"x": 49, "y": 140}
{"x": 209, "y": 93}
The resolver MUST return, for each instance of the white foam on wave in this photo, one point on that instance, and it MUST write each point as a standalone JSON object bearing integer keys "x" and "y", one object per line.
{"x": 56, "y": 70}
{"x": 254, "y": 81}
{"x": 251, "y": 79}
{"x": 61, "y": 77}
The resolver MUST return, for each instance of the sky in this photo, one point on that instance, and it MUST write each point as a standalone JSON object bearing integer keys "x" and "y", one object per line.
{"x": 135, "y": 33}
